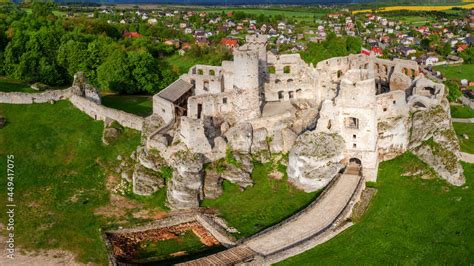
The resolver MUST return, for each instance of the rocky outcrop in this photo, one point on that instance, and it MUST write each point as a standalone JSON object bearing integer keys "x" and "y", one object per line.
{"x": 239, "y": 171}
{"x": 240, "y": 137}
{"x": 184, "y": 190}
{"x": 145, "y": 181}
{"x": 433, "y": 139}
{"x": 111, "y": 133}
{"x": 315, "y": 160}
{"x": 212, "y": 184}
{"x": 282, "y": 141}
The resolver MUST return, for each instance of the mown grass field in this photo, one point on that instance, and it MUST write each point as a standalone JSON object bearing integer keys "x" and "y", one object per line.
{"x": 268, "y": 202}
{"x": 467, "y": 145}
{"x": 416, "y": 8}
{"x": 60, "y": 177}
{"x": 457, "y": 72}
{"x": 135, "y": 104}
{"x": 9, "y": 85}
{"x": 461, "y": 111}
{"x": 410, "y": 221}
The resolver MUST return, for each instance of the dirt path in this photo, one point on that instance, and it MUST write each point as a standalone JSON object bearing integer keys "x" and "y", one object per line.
{"x": 43, "y": 258}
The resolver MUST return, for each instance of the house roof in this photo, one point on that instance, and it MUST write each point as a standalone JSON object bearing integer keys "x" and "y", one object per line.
{"x": 175, "y": 90}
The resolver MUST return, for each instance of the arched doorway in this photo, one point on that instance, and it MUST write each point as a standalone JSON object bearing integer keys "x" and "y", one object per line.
{"x": 353, "y": 167}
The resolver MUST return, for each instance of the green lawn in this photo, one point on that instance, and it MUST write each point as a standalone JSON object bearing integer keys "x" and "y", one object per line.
{"x": 268, "y": 202}
{"x": 457, "y": 72}
{"x": 467, "y": 145}
{"x": 410, "y": 221}
{"x": 60, "y": 175}
{"x": 139, "y": 105}
{"x": 9, "y": 85}
{"x": 461, "y": 111}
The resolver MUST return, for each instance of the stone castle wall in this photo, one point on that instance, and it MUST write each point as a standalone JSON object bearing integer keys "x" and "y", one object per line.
{"x": 30, "y": 98}
{"x": 100, "y": 112}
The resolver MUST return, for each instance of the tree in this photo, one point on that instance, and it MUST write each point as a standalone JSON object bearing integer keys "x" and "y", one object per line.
{"x": 144, "y": 71}
{"x": 114, "y": 73}
{"x": 454, "y": 92}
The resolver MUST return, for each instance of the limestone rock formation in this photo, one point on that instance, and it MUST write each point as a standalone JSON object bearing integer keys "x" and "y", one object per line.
{"x": 109, "y": 135}
{"x": 240, "y": 137}
{"x": 315, "y": 160}
{"x": 145, "y": 181}
{"x": 184, "y": 190}
{"x": 434, "y": 141}
{"x": 240, "y": 171}
{"x": 282, "y": 141}
{"x": 212, "y": 185}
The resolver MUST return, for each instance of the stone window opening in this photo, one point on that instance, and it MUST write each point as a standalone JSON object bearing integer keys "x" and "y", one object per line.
{"x": 224, "y": 100}
{"x": 385, "y": 109}
{"x": 329, "y": 124}
{"x": 200, "y": 72}
{"x": 280, "y": 95}
{"x": 354, "y": 136}
{"x": 212, "y": 72}
{"x": 193, "y": 82}
{"x": 352, "y": 122}
{"x": 339, "y": 74}
{"x": 287, "y": 69}
{"x": 206, "y": 85}
{"x": 271, "y": 69}
{"x": 354, "y": 145}
{"x": 394, "y": 102}
{"x": 298, "y": 92}
{"x": 277, "y": 81}
{"x": 199, "y": 110}
{"x": 291, "y": 94}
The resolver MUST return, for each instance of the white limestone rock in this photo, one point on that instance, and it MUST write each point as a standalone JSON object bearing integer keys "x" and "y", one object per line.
{"x": 146, "y": 182}
{"x": 315, "y": 160}
{"x": 282, "y": 141}
{"x": 433, "y": 139}
{"x": 184, "y": 190}
{"x": 260, "y": 140}
{"x": 240, "y": 137}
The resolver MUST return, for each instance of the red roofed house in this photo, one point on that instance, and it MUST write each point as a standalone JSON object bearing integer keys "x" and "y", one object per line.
{"x": 133, "y": 34}
{"x": 377, "y": 51}
{"x": 230, "y": 42}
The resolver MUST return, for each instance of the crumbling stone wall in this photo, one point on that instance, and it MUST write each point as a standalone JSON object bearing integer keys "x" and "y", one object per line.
{"x": 30, "y": 98}
{"x": 100, "y": 112}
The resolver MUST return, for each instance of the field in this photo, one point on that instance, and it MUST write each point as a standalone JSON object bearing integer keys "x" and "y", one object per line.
{"x": 410, "y": 221}
{"x": 9, "y": 85}
{"x": 306, "y": 15}
{"x": 268, "y": 202}
{"x": 60, "y": 177}
{"x": 461, "y": 111}
{"x": 135, "y": 104}
{"x": 457, "y": 72}
{"x": 467, "y": 145}
{"x": 416, "y": 8}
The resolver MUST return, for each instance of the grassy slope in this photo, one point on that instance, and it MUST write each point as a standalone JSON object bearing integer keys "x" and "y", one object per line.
{"x": 139, "y": 105}
{"x": 467, "y": 145}
{"x": 59, "y": 181}
{"x": 461, "y": 111}
{"x": 465, "y": 71}
{"x": 8, "y": 85}
{"x": 268, "y": 202}
{"x": 410, "y": 221}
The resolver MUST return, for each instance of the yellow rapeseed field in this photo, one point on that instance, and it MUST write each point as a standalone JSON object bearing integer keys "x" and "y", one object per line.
{"x": 416, "y": 8}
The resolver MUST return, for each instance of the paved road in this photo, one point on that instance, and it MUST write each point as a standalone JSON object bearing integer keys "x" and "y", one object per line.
{"x": 463, "y": 120}
{"x": 467, "y": 157}
{"x": 314, "y": 220}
